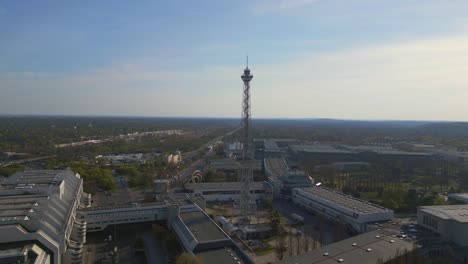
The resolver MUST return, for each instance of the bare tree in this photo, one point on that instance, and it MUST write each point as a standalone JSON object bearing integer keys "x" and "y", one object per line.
{"x": 298, "y": 244}
{"x": 280, "y": 246}
{"x": 306, "y": 243}
{"x": 290, "y": 245}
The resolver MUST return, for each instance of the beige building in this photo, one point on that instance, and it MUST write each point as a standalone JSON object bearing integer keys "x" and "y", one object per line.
{"x": 450, "y": 221}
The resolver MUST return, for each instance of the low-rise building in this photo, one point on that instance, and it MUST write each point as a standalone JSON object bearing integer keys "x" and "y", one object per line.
{"x": 225, "y": 191}
{"x": 450, "y": 221}
{"x": 282, "y": 179}
{"x": 339, "y": 206}
{"x": 458, "y": 198}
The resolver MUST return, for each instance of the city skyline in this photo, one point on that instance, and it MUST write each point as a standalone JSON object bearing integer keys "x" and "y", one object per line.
{"x": 310, "y": 58}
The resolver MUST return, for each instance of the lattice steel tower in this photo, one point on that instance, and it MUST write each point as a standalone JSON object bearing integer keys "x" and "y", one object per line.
{"x": 247, "y": 199}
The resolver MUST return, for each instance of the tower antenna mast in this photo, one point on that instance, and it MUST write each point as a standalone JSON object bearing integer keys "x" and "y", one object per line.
{"x": 247, "y": 198}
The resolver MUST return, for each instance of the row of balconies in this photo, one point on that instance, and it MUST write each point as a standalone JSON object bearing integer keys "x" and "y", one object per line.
{"x": 85, "y": 200}
{"x": 79, "y": 230}
{"x": 76, "y": 250}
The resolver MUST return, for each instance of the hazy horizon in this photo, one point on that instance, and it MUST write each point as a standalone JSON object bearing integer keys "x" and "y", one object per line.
{"x": 228, "y": 118}
{"x": 311, "y": 59}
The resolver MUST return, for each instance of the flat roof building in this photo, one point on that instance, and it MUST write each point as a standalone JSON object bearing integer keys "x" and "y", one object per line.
{"x": 450, "y": 221}
{"x": 225, "y": 191}
{"x": 458, "y": 197}
{"x": 333, "y": 204}
{"x": 368, "y": 248}
{"x": 282, "y": 179}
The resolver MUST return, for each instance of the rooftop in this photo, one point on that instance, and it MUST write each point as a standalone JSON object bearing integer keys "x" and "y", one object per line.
{"x": 347, "y": 201}
{"x": 32, "y": 180}
{"x": 276, "y": 167}
{"x": 220, "y": 185}
{"x": 317, "y": 148}
{"x": 202, "y": 227}
{"x": 221, "y": 255}
{"x": 345, "y": 149}
{"x": 38, "y": 207}
{"x": 233, "y": 164}
{"x": 367, "y": 248}
{"x": 460, "y": 196}
{"x": 271, "y": 146}
{"x": 458, "y": 213}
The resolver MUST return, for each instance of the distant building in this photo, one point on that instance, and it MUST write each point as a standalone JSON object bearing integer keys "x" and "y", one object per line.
{"x": 458, "y": 198}
{"x": 338, "y": 152}
{"x": 345, "y": 166}
{"x": 161, "y": 186}
{"x": 225, "y": 191}
{"x": 233, "y": 149}
{"x": 255, "y": 231}
{"x": 39, "y": 217}
{"x": 450, "y": 221}
{"x": 271, "y": 149}
{"x": 124, "y": 158}
{"x": 282, "y": 179}
{"x": 174, "y": 158}
{"x": 339, "y": 206}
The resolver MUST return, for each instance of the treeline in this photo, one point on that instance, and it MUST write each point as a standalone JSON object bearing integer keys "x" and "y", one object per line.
{"x": 38, "y": 135}
{"x": 96, "y": 176}
{"x": 401, "y": 185}
{"x": 360, "y": 132}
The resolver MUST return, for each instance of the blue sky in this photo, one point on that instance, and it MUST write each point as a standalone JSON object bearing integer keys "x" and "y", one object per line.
{"x": 353, "y": 59}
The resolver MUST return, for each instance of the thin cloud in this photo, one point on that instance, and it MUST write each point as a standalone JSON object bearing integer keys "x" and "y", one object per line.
{"x": 273, "y": 6}
{"x": 413, "y": 79}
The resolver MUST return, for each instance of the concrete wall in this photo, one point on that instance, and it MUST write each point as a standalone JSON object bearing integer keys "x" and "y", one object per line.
{"x": 100, "y": 219}
{"x": 448, "y": 229}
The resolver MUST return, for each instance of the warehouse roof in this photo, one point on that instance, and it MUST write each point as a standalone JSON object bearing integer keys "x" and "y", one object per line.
{"x": 367, "y": 248}
{"x": 458, "y": 213}
{"x": 221, "y": 255}
{"x": 316, "y": 148}
{"x": 38, "y": 207}
{"x": 202, "y": 227}
{"x": 221, "y": 186}
{"x": 347, "y": 201}
{"x": 276, "y": 167}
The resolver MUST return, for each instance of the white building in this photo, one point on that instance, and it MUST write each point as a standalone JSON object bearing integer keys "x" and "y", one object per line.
{"x": 336, "y": 205}
{"x": 174, "y": 158}
{"x": 450, "y": 221}
{"x": 38, "y": 214}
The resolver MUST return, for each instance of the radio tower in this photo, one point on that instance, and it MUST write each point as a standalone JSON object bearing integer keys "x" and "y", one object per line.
{"x": 247, "y": 199}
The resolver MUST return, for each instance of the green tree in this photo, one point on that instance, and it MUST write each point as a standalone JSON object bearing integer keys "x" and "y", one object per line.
{"x": 275, "y": 222}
